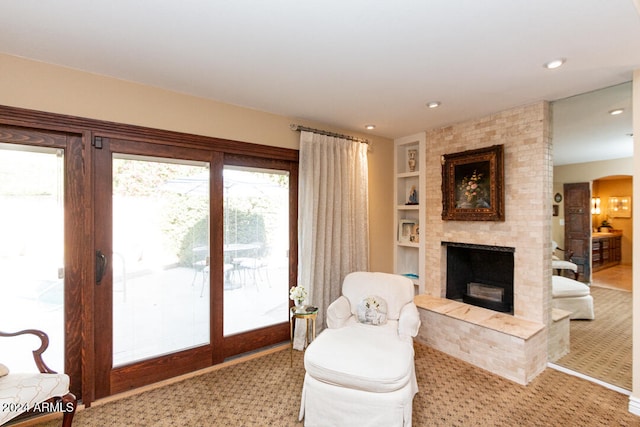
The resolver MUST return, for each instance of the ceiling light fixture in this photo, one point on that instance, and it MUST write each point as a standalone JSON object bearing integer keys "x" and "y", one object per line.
{"x": 369, "y": 127}
{"x": 433, "y": 104}
{"x": 616, "y": 111}
{"x": 556, "y": 63}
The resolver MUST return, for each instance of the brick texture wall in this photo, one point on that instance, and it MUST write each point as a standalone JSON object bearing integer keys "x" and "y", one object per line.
{"x": 528, "y": 180}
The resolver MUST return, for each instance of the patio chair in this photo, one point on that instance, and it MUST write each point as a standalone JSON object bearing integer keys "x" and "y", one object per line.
{"x": 252, "y": 266}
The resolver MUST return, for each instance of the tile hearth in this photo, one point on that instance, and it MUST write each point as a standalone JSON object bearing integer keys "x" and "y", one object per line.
{"x": 500, "y": 343}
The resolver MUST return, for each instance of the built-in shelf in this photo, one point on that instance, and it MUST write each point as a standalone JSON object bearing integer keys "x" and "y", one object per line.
{"x": 409, "y": 255}
{"x": 408, "y": 174}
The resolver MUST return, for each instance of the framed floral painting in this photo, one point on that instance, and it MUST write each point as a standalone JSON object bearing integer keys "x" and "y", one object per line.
{"x": 472, "y": 185}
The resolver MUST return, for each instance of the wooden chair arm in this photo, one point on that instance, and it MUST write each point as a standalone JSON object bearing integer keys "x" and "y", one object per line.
{"x": 37, "y": 353}
{"x": 567, "y": 254}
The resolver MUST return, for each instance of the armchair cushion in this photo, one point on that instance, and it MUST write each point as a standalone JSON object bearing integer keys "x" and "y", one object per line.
{"x": 361, "y": 357}
{"x": 19, "y": 392}
{"x": 558, "y": 264}
{"x": 22, "y": 392}
{"x": 3, "y": 370}
{"x": 372, "y": 310}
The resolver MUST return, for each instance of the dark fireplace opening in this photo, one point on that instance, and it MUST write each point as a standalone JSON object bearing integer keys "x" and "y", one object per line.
{"x": 480, "y": 275}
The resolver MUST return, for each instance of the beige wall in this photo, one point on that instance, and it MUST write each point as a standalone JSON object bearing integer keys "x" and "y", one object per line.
{"x": 590, "y": 171}
{"x": 45, "y": 87}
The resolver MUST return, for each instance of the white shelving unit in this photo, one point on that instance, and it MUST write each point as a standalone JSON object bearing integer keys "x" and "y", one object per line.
{"x": 408, "y": 254}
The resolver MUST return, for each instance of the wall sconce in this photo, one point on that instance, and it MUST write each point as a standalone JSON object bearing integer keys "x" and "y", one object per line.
{"x": 595, "y": 206}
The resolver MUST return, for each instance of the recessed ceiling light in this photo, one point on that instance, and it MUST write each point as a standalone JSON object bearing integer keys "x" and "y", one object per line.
{"x": 433, "y": 104}
{"x": 556, "y": 63}
{"x": 370, "y": 127}
{"x": 616, "y": 111}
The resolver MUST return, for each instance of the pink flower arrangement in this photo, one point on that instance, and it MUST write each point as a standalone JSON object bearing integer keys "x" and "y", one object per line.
{"x": 470, "y": 186}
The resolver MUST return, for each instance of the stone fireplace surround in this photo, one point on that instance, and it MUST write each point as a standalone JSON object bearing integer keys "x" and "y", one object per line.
{"x": 511, "y": 345}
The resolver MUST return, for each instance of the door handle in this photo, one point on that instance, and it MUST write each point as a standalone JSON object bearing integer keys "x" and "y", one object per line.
{"x": 101, "y": 266}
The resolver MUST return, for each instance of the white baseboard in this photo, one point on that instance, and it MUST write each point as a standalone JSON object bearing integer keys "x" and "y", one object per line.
{"x": 634, "y": 405}
{"x": 588, "y": 378}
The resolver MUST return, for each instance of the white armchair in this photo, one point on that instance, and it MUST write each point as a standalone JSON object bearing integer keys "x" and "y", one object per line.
{"x": 360, "y": 370}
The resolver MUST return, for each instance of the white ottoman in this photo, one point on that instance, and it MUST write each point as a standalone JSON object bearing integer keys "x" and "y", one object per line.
{"x": 571, "y": 295}
{"x": 359, "y": 375}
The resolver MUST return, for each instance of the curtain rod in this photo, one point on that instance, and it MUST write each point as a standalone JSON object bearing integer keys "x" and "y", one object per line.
{"x": 327, "y": 133}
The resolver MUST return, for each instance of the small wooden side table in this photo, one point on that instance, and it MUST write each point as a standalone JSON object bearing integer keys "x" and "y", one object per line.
{"x": 309, "y": 313}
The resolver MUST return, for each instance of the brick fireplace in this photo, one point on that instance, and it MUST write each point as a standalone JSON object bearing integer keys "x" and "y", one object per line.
{"x": 528, "y": 175}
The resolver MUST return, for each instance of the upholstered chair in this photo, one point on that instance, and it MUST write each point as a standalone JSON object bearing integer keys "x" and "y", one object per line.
{"x": 360, "y": 370}
{"x": 558, "y": 264}
{"x": 22, "y": 392}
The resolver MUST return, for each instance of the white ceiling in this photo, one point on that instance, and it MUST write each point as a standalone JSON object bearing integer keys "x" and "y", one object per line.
{"x": 584, "y": 131}
{"x": 345, "y": 63}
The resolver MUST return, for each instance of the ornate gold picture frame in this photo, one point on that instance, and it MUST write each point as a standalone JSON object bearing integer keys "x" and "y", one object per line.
{"x": 473, "y": 185}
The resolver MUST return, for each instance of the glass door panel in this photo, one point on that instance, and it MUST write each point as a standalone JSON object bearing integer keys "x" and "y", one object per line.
{"x": 160, "y": 257}
{"x": 256, "y": 248}
{"x": 32, "y": 249}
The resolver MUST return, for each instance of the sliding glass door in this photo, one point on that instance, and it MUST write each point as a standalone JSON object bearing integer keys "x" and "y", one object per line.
{"x": 144, "y": 254}
{"x": 32, "y": 249}
{"x": 153, "y": 269}
{"x": 192, "y": 259}
{"x": 256, "y": 248}
{"x": 160, "y": 257}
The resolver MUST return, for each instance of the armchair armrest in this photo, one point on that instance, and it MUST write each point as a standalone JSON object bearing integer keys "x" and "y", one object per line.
{"x": 338, "y": 312}
{"x": 37, "y": 353}
{"x": 409, "y": 321}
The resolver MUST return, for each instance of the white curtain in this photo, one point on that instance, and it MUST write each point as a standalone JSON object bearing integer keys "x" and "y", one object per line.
{"x": 333, "y": 218}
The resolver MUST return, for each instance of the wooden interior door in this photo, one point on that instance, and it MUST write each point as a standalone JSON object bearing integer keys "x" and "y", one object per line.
{"x": 577, "y": 229}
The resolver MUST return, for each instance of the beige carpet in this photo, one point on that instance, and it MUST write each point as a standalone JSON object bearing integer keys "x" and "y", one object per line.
{"x": 265, "y": 391}
{"x": 601, "y": 348}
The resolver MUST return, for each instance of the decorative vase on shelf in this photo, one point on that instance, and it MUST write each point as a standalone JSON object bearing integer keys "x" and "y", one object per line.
{"x": 299, "y": 306}
{"x": 412, "y": 160}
